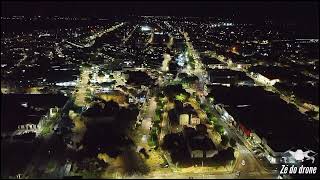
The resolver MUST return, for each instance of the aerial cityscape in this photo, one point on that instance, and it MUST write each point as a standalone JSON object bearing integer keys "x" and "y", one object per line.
{"x": 159, "y": 90}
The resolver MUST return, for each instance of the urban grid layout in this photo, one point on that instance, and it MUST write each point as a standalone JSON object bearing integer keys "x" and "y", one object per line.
{"x": 157, "y": 96}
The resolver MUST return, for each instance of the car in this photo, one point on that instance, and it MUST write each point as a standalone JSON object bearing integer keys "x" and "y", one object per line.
{"x": 256, "y": 151}
{"x": 260, "y": 155}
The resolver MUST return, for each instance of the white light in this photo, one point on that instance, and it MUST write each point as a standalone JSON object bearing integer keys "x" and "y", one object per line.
{"x": 25, "y": 104}
{"x": 70, "y": 83}
{"x": 145, "y": 28}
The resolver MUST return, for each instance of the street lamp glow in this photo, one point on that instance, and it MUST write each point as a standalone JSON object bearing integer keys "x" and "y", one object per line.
{"x": 145, "y": 28}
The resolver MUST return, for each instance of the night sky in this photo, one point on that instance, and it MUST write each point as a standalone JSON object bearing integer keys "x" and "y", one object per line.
{"x": 304, "y": 12}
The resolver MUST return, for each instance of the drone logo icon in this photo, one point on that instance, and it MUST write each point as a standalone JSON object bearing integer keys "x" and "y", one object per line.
{"x": 300, "y": 155}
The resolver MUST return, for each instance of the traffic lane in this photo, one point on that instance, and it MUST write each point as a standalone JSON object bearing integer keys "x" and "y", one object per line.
{"x": 241, "y": 142}
{"x": 246, "y": 153}
{"x": 250, "y": 164}
{"x": 191, "y": 175}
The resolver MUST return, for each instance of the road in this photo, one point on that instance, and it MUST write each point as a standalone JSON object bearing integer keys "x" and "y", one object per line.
{"x": 245, "y": 150}
{"x": 91, "y": 39}
{"x": 252, "y": 165}
{"x": 150, "y": 38}
{"x": 191, "y": 175}
{"x": 170, "y": 42}
{"x": 146, "y": 117}
{"x": 130, "y": 34}
{"x": 165, "y": 62}
{"x": 164, "y": 125}
{"x": 151, "y": 108}
{"x": 300, "y": 107}
{"x": 149, "y": 115}
{"x": 82, "y": 87}
{"x": 199, "y": 69}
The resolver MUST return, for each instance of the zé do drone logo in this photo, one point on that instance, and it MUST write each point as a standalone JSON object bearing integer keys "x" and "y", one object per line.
{"x": 297, "y": 157}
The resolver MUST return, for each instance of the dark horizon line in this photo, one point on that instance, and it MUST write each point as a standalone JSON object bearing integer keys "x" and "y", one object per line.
{"x": 223, "y": 17}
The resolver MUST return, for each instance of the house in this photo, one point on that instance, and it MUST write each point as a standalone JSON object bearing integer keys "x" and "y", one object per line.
{"x": 189, "y": 119}
{"x": 184, "y": 119}
{"x": 194, "y": 120}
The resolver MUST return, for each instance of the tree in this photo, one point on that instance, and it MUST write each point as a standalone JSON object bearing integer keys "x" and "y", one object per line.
{"x": 227, "y": 154}
{"x": 100, "y": 74}
{"x": 181, "y": 97}
{"x": 157, "y": 118}
{"x": 219, "y": 128}
{"x": 104, "y": 157}
{"x": 211, "y": 99}
{"x": 144, "y": 152}
{"x": 156, "y": 125}
{"x": 191, "y": 79}
{"x": 178, "y": 106}
{"x": 160, "y": 94}
{"x": 207, "y": 109}
{"x": 173, "y": 68}
{"x": 158, "y": 110}
{"x": 153, "y": 140}
{"x": 182, "y": 75}
{"x": 172, "y": 90}
{"x": 232, "y": 142}
{"x": 75, "y": 108}
{"x": 224, "y": 140}
{"x": 230, "y": 153}
{"x": 86, "y": 65}
{"x": 88, "y": 99}
{"x": 213, "y": 119}
{"x": 312, "y": 113}
{"x": 111, "y": 107}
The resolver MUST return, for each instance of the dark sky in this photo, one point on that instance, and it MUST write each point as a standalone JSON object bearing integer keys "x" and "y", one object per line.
{"x": 286, "y": 11}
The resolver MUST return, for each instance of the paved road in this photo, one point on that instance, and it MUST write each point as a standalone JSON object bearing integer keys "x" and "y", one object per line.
{"x": 82, "y": 87}
{"x": 148, "y": 116}
{"x": 192, "y": 175}
{"x": 93, "y": 37}
{"x": 129, "y": 36}
{"x": 252, "y": 165}
{"x": 300, "y": 107}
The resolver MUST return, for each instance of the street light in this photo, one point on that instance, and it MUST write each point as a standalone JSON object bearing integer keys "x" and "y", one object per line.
{"x": 145, "y": 28}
